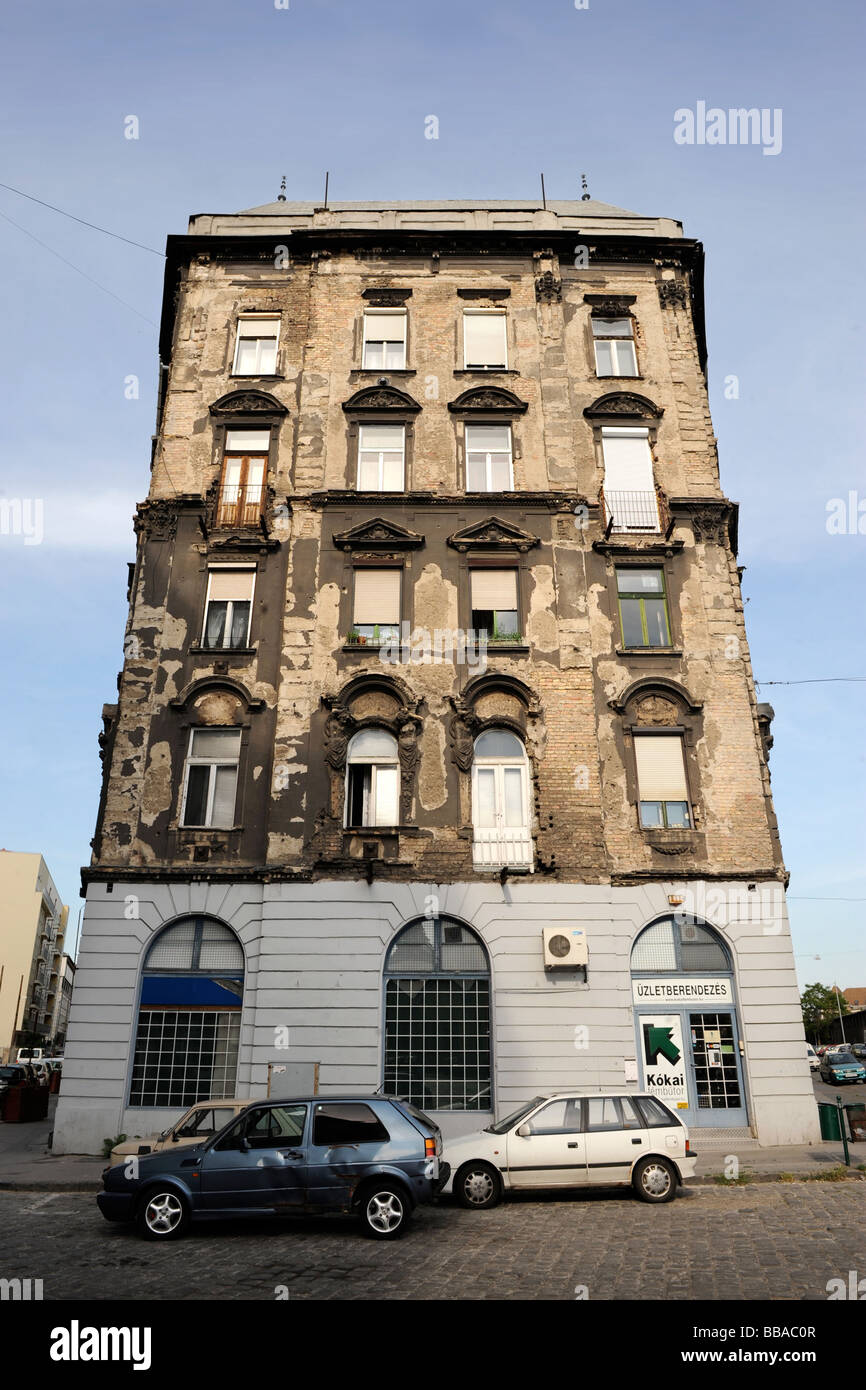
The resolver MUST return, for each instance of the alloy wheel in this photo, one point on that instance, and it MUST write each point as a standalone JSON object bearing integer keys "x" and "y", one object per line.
{"x": 163, "y": 1213}
{"x": 384, "y": 1212}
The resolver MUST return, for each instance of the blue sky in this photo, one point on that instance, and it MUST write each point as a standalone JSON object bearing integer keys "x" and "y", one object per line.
{"x": 229, "y": 97}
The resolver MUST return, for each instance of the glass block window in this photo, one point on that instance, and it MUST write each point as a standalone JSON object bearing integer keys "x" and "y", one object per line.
{"x": 184, "y": 1055}
{"x": 673, "y": 947}
{"x": 437, "y": 1017}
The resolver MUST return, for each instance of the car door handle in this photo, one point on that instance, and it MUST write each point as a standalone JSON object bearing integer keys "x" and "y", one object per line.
{"x": 637, "y": 1141}
{"x": 290, "y": 1153}
{"x": 573, "y": 1144}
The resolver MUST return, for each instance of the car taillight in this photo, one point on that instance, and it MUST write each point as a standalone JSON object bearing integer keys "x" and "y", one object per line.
{"x": 688, "y": 1147}
{"x": 429, "y": 1148}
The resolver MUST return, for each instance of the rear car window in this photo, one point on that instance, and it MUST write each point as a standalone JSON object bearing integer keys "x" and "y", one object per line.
{"x": 418, "y": 1114}
{"x": 655, "y": 1114}
{"x": 347, "y": 1123}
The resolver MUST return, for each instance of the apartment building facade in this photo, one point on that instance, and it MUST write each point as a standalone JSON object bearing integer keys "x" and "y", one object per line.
{"x": 31, "y": 952}
{"x": 437, "y": 762}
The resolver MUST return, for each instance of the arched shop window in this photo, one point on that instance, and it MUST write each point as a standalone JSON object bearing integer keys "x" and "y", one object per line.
{"x": 670, "y": 947}
{"x": 186, "y": 1045}
{"x": 437, "y": 1017}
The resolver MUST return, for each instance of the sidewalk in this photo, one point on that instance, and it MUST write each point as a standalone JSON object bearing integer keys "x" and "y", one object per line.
{"x": 27, "y": 1164}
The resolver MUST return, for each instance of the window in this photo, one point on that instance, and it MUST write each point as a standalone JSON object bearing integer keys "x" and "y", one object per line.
{"x": 437, "y": 1017}
{"x": 334, "y": 1125}
{"x": 629, "y": 486}
{"x": 614, "y": 347}
{"x": 211, "y": 778}
{"x": 559, "y": 1117}
{"x": 643, "y": 608}
{"x": 203, "y": 1123}
{"x": 484, "y": 340}
{"x": 372, "y": 779}
{"x": 186, "y": 1046}
{"x": 229, "y": 603}
{"x": 242, "y": 486}
{"x": 256, "y": 347}
{"x": 384, "y": 340}
{"x": 494, "y": 604}
{"x": 381, "y": 458}
{"x": 500, "y": 801}
{"x": 275, "y": 1126}
{"x": 602, "y": 1112}
{"x": 655, "y": 1115}
{"x": 631, "y": 1119}
{"x": 488, "y": 458}
{"x": 669, "y": 948}
{"x": 661, "y": 775}
{"x": 376, "y": 612}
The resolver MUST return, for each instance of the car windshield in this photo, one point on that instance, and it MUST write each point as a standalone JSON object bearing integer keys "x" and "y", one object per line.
{"x": 7, "y": 1072}
{"x": 514, "y": 1119}
{"x": 842, "y": 1058}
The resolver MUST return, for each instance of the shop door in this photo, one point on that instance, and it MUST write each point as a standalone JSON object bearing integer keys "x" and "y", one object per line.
{"x": 715, "y": 1073}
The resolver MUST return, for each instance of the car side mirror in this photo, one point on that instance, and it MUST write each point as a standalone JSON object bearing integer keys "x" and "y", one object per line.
{"x": 244, "y": 1146}
{"x": 524, "y": 1131}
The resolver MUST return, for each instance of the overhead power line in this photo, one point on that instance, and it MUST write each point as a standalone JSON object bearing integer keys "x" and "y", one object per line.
{"x": 92, "y": 225}
{"x": 815, "y": 680}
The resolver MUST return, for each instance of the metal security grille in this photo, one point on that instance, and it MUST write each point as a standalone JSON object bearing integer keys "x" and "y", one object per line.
{"x": 437, "y": 1042}
{"x": 714, "y": 1051}
{"x": 182, "y": 1056}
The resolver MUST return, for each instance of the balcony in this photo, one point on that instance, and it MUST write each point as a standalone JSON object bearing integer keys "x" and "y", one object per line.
{"x": 240, "y": 504}
{"x": 639, "y": 512}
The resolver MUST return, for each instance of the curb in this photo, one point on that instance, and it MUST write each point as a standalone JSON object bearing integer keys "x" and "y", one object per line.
{"x": 26, "y": 1185}
{"x": 710, "y": 1179}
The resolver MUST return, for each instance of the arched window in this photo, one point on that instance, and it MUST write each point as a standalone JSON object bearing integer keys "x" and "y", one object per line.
{"x": 671, "y": 947}
{"x": 437, "y": 1017}
{"x": 500, "y": 801}
{"x": 372, "y": 779}
{"x": 186, "y": 1046}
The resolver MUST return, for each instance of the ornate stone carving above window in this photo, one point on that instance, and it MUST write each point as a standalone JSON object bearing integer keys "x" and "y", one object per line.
{"x": 383, "y": 702}
{"x": 258, "y": 403}
{"x": 656, "y": 700}
{"x": 386, "y": 297}
{"x": 548, "y": 287}
{"x": 610, "y": 306}
{"x": 493, "y": 534}
{"x": 618, "y": 405}
{"x": 378, "y": 535}
{"x": 379, "y": 399}
{"x": 671, "y": 292}
{"x": 494, "y": 700}
{"x": 216, "y": 699}
{"x": 488, "y": 398}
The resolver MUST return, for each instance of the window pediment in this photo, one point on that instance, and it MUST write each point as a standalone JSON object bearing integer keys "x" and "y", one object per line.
{"x": 488, "y": 398}
{"x": 618, "y": 405}
{"x": 494, "y": 534}
{"x": 378, "y": 535}
{"x": 373, "y": 400}
{"x": 259, "y": 403}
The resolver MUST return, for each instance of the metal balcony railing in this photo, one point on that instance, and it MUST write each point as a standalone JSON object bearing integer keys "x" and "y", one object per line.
{"x": 239, "y": 504}
{"x": 631, "y": 511}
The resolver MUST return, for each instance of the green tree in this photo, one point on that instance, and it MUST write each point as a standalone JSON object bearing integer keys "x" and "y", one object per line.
{"x": 820, "y": 1007}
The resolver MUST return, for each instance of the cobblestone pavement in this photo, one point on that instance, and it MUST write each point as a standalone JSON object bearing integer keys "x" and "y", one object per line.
{"x": 777, "y": 1241}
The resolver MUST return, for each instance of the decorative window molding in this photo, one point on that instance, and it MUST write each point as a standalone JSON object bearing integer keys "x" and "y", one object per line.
{"x": 378, "y": 535}
{"x": 616, "y": 405}
{"x": 202, "y": 684}
{"x": 255, "y": 403}
{"x": 494, "y": 534}
{"x": 610, "y": 306}
{"x": 488, "y": 398}
{"x": 374, "y": 400}
{"x": 669, "y": 699}
{"x": 386, "y": 297}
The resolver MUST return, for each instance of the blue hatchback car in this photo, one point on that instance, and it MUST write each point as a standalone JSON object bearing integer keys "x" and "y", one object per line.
{"x": 376, "y": 1157}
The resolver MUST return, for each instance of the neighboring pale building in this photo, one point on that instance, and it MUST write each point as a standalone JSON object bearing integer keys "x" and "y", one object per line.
{"x": 32, "y": 929}
{"x": 336, "y": 836}
{"x": 62, "y": 1000}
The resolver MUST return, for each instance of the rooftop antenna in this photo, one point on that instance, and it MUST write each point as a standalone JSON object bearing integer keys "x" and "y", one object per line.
{"x": 543, "y": 197}
{"x": 584, "y": 196}
{"x": 327, "y": 176}
{"x": 281, "y": 196}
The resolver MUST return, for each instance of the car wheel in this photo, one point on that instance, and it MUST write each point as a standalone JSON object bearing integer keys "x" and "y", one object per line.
{"x": 385, "y": 1211}
{"x": 478, "y": 1185}
{"x": 655, "y": 1180}
{"x": 163, "y": 1214}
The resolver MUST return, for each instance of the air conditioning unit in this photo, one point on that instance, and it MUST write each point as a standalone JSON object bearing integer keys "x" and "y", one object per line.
{"x": 564, "y": 947}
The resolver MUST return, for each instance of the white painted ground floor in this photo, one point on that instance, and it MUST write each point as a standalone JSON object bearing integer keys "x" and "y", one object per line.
{"x": 440, "y": 993}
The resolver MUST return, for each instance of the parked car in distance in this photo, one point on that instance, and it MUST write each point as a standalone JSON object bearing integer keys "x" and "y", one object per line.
{"x": 839, "y": 1067}
{"x": 814, "y": 1059}
{"x": 11, "y": 1075}
{"x": 573, "y": 1139}
{"x": 859, "y": 1051}
{"x": 202, "y": 1121}
{"x": 376, "y": 1157}
{"x": 29, "y": 1054}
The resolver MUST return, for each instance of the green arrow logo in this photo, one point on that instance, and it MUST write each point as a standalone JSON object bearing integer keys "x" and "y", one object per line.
{"x": 660, "y": 1040}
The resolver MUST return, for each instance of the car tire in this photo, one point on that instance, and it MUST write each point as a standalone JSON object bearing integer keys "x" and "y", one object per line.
{"x": 655, "y": 1180}
{"x": 385, "y": 1210}
{"x": 478, "y": 1186}
{"x": 163, "y": 1214}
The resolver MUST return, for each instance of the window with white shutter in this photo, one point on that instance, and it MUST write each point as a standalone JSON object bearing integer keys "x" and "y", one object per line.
{"x": 256, "y": 346}
{"x": 228, "y": 607}
{"x": 629, "y": 485}
{"x": 484, "y": 344}
{"x": 661, "y": 777}
{"x": 614, "y": 347}
{"x": 384, "y": 340}
{"x": 495, "y": 611}
{"x": 376, "y": 611}
{"x": 211, "y": 778}
{"x": 372, "y": 779}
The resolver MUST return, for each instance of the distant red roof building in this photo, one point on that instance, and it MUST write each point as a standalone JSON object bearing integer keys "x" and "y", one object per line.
{"x": 856, "y": 997}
